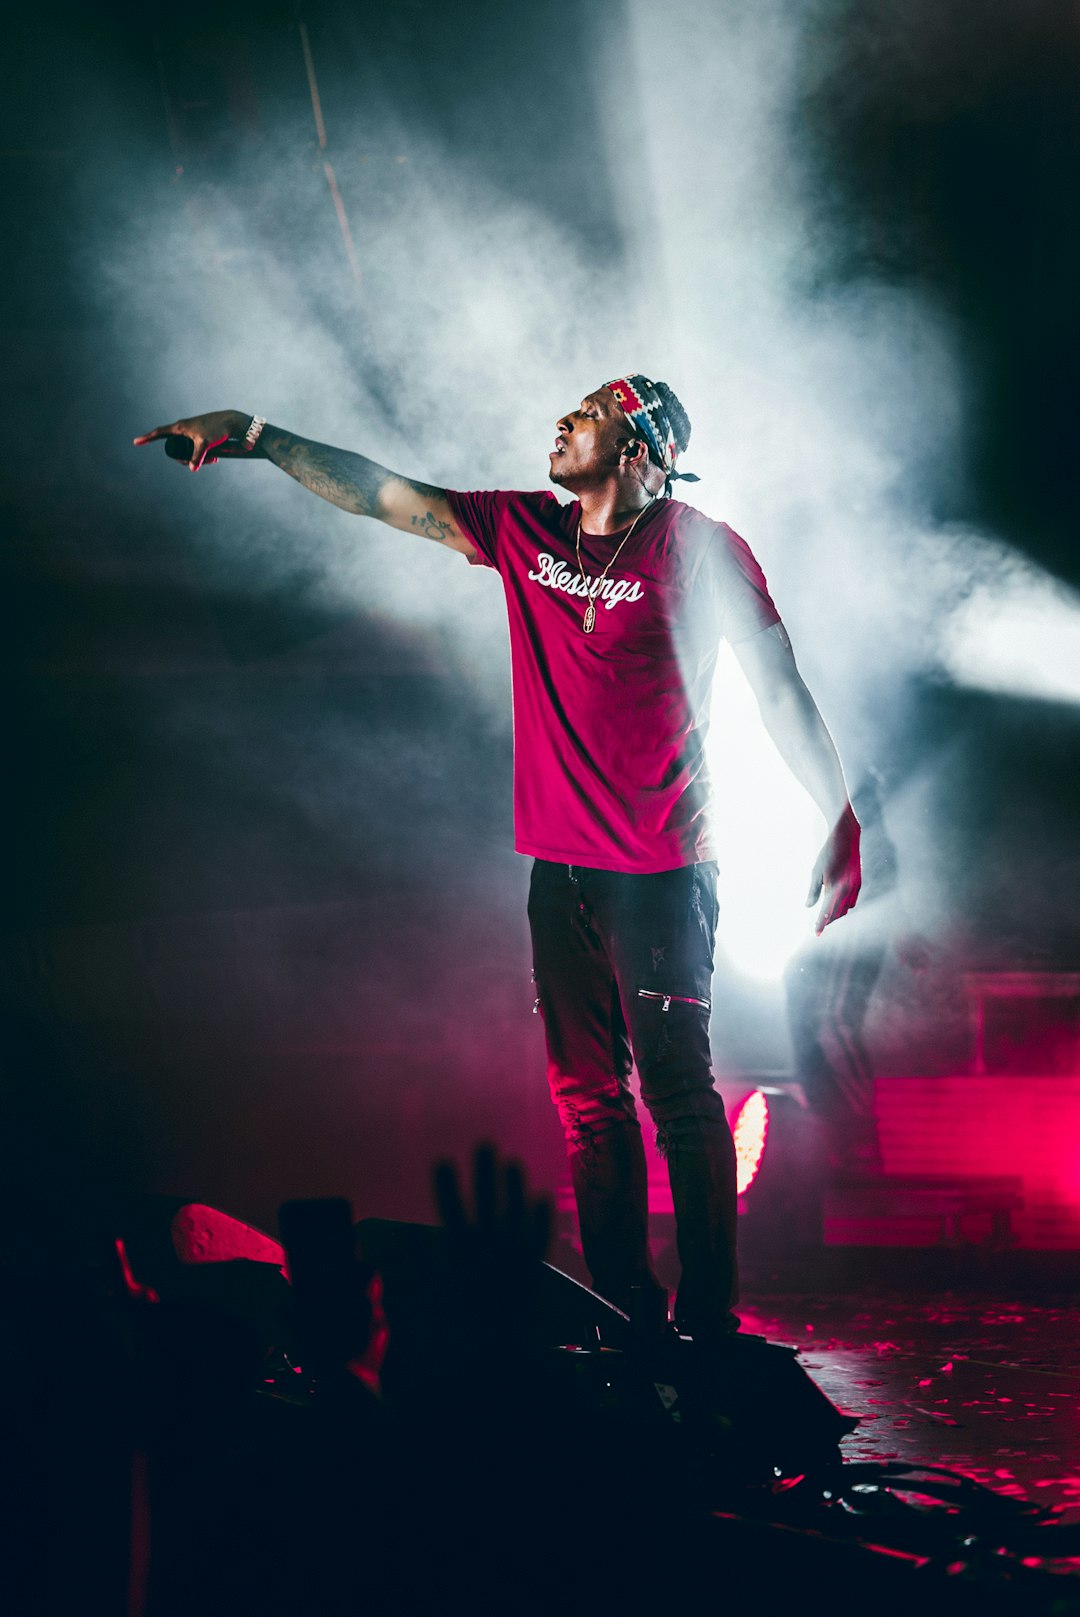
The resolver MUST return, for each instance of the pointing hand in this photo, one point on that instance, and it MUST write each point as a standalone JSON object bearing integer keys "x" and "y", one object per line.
{"x": 206, "y": 432}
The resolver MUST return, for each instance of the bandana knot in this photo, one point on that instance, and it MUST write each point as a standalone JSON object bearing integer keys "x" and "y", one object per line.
{"x": 642, "y": 405}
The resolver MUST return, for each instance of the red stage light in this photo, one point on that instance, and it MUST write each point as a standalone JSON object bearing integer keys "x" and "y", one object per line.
{"x": 751, "y": 1130}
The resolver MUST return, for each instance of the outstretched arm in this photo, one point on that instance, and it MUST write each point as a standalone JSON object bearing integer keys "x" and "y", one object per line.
{"x": 792, "y": 719}
{"x": 363, "y": 487}
{"x": 348, "y": 480}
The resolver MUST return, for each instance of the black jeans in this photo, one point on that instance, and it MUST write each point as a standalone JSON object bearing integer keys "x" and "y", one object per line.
{"x": 623, "y": 967}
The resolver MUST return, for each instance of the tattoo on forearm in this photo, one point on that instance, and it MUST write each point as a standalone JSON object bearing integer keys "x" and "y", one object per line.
{"x": 430, "y": 526}
{"x": 350, "y": 481}
{"x": 353, "y": 482}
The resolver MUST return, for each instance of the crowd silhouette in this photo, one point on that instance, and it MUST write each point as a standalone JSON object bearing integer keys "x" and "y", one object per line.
{"x": 232, "y": 1448}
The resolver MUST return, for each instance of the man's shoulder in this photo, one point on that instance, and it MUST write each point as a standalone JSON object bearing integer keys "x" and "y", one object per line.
{"x": 691, "y": 530}
{"x": 689, "y": 517}
{"x": 698, "y": 530}
{"x": 505, "y": 506}
{"x": 541, "y": 500}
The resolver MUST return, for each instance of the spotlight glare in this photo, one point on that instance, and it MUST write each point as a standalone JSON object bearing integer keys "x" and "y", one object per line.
{"x": 751, "y": 1130}
{"x": 1020, "y": 636}
{"x": 768, "y": 831}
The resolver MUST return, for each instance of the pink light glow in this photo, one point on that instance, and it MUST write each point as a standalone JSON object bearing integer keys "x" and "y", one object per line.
{"x": 1019, "y": 1125}
{"x": 751, "y": 1131}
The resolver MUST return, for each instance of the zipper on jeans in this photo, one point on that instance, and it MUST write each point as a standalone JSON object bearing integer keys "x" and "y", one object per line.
{"x": 671, "y": 999}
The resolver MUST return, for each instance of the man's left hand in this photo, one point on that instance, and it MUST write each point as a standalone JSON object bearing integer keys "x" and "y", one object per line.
{"x": 837, "y": 874}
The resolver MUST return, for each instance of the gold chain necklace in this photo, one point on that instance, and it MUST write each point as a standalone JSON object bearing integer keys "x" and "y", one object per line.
{"x": 588, "y": 622}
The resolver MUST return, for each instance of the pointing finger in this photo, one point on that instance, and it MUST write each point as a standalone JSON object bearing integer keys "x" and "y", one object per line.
{"x": 158, "y": 432}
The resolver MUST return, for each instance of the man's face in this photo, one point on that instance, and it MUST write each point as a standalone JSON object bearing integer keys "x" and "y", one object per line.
{"x": 589, "y": 440}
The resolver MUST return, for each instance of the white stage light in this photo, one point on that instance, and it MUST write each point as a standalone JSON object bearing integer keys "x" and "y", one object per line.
{"x": 768, "y": 831}
{"x": 1019, "y": 635}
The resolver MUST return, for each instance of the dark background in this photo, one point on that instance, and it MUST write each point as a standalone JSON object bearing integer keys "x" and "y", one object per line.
{"x": 263, "y": 926}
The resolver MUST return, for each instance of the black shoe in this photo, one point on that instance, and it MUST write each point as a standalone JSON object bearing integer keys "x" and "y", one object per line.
{"x": 648, "y": 1311}
{"x": 714, "y": 1333}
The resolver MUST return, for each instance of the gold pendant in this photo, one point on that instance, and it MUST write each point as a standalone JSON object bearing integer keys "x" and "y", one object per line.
{"x": 589, "y": 621}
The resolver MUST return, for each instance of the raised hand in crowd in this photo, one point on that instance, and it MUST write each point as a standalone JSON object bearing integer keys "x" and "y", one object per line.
{"x": 493, "y": 1250}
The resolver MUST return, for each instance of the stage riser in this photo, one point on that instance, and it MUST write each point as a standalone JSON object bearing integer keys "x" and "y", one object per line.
{"x": 1027, "y": 1127}
{"x": 967, "y": 1126}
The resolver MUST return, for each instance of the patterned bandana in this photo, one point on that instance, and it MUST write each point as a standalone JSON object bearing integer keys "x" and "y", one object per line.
{"x": 640, "y": 403}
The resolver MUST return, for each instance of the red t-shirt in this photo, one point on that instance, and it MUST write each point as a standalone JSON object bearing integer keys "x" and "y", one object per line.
{"x": 610, "y": 727}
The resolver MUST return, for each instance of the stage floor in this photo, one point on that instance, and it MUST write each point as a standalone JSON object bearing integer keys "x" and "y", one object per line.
{"x": 986, "y": 1385}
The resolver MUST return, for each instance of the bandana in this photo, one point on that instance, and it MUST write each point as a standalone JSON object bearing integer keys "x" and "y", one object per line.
{"x": 640, "y": 402}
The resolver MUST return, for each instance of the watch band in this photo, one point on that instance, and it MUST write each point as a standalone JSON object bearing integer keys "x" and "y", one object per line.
{"x": 251, "y": 436}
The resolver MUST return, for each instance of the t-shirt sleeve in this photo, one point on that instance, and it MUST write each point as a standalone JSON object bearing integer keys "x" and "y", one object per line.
{"x": 736, "y": 586}
{"x": 480, "y": 516}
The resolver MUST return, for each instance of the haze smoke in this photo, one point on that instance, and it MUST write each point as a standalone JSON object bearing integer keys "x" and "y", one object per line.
{"x": 829, "y": 417}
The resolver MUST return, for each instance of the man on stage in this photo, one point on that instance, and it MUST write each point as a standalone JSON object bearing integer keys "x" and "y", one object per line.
{"x": 617, "y": 602}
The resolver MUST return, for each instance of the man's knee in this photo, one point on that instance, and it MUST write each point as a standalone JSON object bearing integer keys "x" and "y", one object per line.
{"x": 679, "y": 1109}
{"x": 589, "y": 1106}
{"x": 693, "y": 1122}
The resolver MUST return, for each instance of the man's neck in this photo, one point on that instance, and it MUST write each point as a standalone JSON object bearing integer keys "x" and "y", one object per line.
{"x": 613, "y": 506}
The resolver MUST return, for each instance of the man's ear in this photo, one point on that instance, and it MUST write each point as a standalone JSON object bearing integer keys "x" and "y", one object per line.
{"x": 636, "y": 450}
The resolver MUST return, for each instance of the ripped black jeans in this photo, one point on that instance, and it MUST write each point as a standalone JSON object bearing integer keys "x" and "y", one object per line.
{"x": 623, "y": 967}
